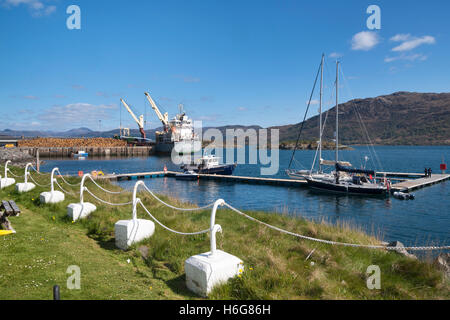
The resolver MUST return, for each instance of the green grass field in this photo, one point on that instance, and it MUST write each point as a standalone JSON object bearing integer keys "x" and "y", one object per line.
{"x": 47, "y": 242}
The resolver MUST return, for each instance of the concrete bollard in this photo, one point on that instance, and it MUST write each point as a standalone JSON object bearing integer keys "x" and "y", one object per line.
{"x": 81, "y": 210}
{"x": 6, "y": 182}
{"x": 207, "y": 270}
{"x": 53, "y": 196}
{"x": 25, "y": 186}
{"x": 127, "y": 232}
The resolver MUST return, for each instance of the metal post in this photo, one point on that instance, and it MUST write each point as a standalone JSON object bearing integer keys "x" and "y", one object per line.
{"x": 6, "y": 168}
{"x": 56, "y": 295}
{"x": 320, "y": 115}
{"x": 52, "y": 179}
{"x": 82, "y": 187}
{"x": 37, "y": 160}
{"x": 213, "y": 226}
{"x": 337, "y": 112}
{"x": 26, "y": 172}
{"x": 135, "y": 199}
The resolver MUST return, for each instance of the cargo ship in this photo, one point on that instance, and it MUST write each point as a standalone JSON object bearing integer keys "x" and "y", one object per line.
{"x": 178, "y": 133}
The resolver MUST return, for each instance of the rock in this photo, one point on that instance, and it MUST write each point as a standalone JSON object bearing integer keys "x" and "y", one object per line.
{"x": 18, "y": 157}
{"x": 401, "y": 249}
{"x": 442, "y": 262}
{"x": 144, "y": 251}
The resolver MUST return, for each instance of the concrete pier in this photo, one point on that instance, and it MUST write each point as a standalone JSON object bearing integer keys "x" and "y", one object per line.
{"x": 58, "y": 152}
{"x": 404, "y": 184}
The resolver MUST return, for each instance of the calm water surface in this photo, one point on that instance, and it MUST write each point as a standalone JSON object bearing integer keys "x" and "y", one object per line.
{"x": 424, "y": 220}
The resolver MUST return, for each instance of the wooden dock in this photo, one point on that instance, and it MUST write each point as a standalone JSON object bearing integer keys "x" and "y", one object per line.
{"x": 240, "y": 179}
{"x": 414, "y": 184}
{"x": 138, "y": 176}
{"x": 405, "y": 185}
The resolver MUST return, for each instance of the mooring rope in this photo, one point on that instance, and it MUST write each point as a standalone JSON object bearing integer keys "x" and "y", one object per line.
{"x": 40, "y": 185}
{"x": 108, "y": 191}
{"x": 65, "y": 181}
{"x": 334, "y": 242}
{"x": 176, "y": 208}
{"x": 65, "y": 191}
{"x": 40, "y": 173}
{"x": 169, "y": 229}
{"x": 12, "y": 173}
{"x": 107, "y": 202}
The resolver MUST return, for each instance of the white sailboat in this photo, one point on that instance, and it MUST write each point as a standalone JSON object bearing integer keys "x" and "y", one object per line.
{"x": 346, "y": 179}
{"x": 319, "y": 173}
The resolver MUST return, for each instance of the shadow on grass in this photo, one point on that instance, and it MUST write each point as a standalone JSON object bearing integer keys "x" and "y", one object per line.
{"x": 178, "y": 286}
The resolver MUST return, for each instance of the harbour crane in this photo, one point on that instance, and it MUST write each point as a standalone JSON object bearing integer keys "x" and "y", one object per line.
{"x": 139, "y": 121}
{"x": 163, "y": 118}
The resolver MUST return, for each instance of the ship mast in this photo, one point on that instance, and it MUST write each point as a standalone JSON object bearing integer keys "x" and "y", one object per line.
{"x": 320, "y": 115}
{"x": 337, "y": 111}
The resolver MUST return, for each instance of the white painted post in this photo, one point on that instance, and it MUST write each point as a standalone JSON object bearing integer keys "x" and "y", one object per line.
{"x": 6, "y": 168}
{"x": 81, "y": 210}
{"x": 53, "y": 196}
{"x": 135, "y": 200}
{"x": 26, "y": 172}
{"x": 206, "y": 270}
{"x": 82, "y": 187}
{"x": 131, "y": 231}
{"x": 52, "y": 179}
{"x": 213, "y": 227}
{"x": 216, "y": 228}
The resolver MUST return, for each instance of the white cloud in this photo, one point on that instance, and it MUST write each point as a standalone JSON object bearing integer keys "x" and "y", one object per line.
{"x": 76, "y": 114}
{"x": 31, "y": 97}
{"x": 335, "y": 55}
{"x": 365, "y": 40}
{"x": 187, "y": 79}
{"x": 409, "y": 42}
{"x": 410, "y": 57}
{"x": 242, "y": 109}
{"x": 313, "y": 102}
{"x": 37, "y": 8}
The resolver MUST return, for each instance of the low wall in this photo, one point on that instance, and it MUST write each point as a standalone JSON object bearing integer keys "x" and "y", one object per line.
{"x": 92, "y": 151}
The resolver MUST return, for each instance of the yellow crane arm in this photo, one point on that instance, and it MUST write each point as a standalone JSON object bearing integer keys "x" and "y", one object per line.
{"x": 163, "y": 118}
{"x": 139, "y": 121}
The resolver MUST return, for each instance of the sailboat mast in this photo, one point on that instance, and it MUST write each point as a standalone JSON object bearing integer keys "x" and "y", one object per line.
{"x": 320, "y": 115}
{"x": 337, "y": 111}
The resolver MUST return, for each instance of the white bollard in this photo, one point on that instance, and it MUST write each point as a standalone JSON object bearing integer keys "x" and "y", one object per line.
{"x": 6, "y": 182}
{"x": 205, "y": 271}
{"x": 25, "y": 186}
{"x": 81, "y": 210}
{"x": 53, "y": 196}
{"x": 127, "y": 232}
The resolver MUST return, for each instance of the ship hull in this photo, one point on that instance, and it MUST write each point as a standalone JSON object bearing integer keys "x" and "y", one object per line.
{"x": 181, "y": 147}
{"x": 226, "y": 169}
{"x": 345, "y": 188}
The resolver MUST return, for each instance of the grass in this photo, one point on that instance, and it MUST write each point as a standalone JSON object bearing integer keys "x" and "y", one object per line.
{"x": 47, "y": 243}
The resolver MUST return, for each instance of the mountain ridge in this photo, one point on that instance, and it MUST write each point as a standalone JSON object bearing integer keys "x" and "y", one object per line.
{"x": 400, "y": 118}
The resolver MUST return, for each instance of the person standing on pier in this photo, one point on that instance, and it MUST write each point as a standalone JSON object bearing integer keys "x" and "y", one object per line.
{"x": 429, "y": 172}
{"x": 426, "y": 172}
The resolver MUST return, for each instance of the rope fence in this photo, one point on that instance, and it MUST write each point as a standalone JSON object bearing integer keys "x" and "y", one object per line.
{"x": 333, "y": 242}
{"x": 169, "y": 229}
{"x": 215, "y": 205}
{"x": 107, "y": 202}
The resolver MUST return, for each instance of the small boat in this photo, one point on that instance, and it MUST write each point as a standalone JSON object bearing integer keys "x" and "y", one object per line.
{"x": 80, "y": 155}
{"x": 209, "y": 164}
{"x": 187, "y": 175}
{"x": 403, "y": 195}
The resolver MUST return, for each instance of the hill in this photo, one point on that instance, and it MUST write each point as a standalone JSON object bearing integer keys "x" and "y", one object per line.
{"x": 401, "y": 118}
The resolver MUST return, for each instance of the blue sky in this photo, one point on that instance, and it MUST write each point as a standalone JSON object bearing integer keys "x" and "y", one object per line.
{"x": 229, "y": 62}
